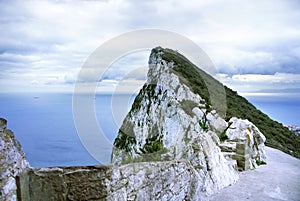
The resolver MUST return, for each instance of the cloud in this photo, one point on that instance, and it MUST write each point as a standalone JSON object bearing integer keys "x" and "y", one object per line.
{"x": 34, "y": 82}
{"x": 279, "y": 82}
{"x": 276, "y": 78}
{"x": 133, "y": 65}
{"x": 48, "y": 41}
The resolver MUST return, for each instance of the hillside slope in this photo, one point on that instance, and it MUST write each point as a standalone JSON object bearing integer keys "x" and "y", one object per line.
{"x": 277, "y": 135}
{"x": 172, "y": 119}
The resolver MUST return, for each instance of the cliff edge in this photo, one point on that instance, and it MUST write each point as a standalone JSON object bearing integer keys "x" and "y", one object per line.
{"x": 173, "y": 145}
{"x": 12, "y": 162}
{"x": 172, "y": 119}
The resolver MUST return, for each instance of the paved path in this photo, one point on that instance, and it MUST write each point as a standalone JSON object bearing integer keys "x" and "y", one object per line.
{"x": 278, "y": 180}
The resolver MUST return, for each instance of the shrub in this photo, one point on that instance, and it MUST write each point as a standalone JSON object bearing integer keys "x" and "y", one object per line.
{"x": 202, "y": 123}
{"x": 153, "y": 144}
{"x": 223, "y": 136}
{"x": 259, "y": 162}
{"x": 124, "y": 141}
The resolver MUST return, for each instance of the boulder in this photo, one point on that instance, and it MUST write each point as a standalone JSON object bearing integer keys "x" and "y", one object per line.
{"x": 247, "y": 133}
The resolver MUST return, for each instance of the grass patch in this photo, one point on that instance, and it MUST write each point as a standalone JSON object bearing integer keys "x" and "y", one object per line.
{"x": 259, "y": 162}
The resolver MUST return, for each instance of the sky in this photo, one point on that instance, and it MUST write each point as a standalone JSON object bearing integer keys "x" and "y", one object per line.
{"x": 255, "y": 45}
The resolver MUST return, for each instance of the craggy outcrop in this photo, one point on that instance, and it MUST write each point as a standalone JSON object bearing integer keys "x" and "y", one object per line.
{"x": 252, "y": 141}
{"x": 12, "y": 162}
{"x": 168, "y": 121}
{"x": 172, "y": 145}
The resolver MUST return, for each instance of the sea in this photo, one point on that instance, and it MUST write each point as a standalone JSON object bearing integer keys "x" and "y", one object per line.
{"x": 44, "y": 124}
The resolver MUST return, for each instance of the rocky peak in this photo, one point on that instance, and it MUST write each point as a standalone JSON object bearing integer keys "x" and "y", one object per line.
{"x": 171, "y": 70}
{"x": 170, "y": 121}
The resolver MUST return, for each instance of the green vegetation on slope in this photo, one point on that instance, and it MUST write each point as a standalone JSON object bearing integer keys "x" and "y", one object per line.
{"x": 126, "y": 139}
{"x": 277, "y": 135}
{"x": 192, "y": 76}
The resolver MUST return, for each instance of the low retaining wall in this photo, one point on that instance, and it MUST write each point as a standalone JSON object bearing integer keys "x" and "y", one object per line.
{"x": 173, "y": 180}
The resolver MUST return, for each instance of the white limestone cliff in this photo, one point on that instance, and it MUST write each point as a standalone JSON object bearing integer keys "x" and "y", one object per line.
{"x": 169, "y": 125}
{"x": 246, "y": 131}
{"x": 168, "y": 121}
{"x": 12, "y": 162}
{"x": 166, "y": 116}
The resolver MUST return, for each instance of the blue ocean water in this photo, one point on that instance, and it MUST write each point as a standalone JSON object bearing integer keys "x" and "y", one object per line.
{"x": 44, "y": 125}
{"x": 284, "y": 108}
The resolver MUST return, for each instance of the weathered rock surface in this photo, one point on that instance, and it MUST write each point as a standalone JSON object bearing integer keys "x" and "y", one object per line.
{"x": 168, "y": 148}
{"x": 251, "y": 141}
{"x": 163, "y": 124}
{"x": 173, "y": 180}
{"x": 3, "y": 123}
{"x": 12, "y": 162}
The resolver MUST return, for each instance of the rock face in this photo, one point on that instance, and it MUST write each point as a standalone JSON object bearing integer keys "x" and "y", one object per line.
{"x": 168, "y": 121}
{"x": 12, "y": 162}
{"x": 245, "y": 144}
{"x": 173, "y": 180}
{"x": 251, "y": 141}
{"x": 3, "y": 124}
{"x": 172, "y": 145}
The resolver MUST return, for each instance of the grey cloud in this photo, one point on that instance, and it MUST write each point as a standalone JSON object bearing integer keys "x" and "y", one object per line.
{"x": 161, "y": 14}
{"x": 262, "y": 36}
{"x": 284, "y": 58}
{"x": 133, "y": 65}
{"x": 138, "y": 74}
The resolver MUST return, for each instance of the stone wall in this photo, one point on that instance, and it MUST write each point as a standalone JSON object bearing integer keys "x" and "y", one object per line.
{"x": 173, "y": 180}
{"x": 169, "y": 180}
